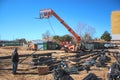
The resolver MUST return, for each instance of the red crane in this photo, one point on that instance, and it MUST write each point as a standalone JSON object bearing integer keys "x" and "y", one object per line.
{"x": 46, "y": 13}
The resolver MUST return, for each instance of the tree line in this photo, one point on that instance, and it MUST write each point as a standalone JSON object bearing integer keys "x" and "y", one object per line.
{"x": 85, "y": 32}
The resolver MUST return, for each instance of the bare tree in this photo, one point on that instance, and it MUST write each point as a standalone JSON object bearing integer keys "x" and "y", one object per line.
{"x": 90, "y": 30}
{"x": 80, "y": 29}
{"x": 87, "y": 37}
{"x": 85, "y": 31}
{"x": 46, "y": 36}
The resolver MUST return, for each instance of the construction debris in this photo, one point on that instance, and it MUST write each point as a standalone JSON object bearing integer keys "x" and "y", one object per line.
{"x": 102, "y": 59}
{"x": 91, "y": 76}
{"x": 61, "y": 74}
{"x": 114, "y": 72}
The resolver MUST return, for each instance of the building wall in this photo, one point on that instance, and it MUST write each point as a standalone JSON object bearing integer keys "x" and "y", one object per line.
{"x": 115, "y": 23}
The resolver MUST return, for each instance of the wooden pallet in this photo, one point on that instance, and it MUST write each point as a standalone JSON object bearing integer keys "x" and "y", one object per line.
{"x": 42, "y": 70}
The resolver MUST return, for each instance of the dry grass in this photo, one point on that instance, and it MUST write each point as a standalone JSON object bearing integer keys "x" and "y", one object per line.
{"x": 32, "y": 74}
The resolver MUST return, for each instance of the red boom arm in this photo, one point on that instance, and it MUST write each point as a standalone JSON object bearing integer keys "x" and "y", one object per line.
{"x": 46, "y": 13}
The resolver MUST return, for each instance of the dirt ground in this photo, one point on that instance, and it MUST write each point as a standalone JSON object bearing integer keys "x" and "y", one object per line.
{"x": 25, "y": 73}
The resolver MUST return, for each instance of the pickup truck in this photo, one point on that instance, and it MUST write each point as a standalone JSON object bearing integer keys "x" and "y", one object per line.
{"x": 110, "y": 45}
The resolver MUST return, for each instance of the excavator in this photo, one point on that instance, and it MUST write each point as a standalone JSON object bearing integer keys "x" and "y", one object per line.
{"x": 47, "y": 13}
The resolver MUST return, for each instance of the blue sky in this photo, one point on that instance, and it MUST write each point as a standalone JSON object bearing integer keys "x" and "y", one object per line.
{"x": 17, "y": 17}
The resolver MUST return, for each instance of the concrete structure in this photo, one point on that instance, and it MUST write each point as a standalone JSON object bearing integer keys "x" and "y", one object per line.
{"x": 115, "y": 23}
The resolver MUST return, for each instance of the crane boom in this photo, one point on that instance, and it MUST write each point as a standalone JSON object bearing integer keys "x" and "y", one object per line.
{"x": 46, "y": 13}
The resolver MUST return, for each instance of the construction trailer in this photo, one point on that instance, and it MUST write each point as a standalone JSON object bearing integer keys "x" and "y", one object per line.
{"x": 11, "y": 43}
{"x": 48, "y": 45}
{"x": 51, "y": 46}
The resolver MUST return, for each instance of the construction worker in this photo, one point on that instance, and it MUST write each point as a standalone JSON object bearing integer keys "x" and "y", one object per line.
{"x": 15, "y": 60}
